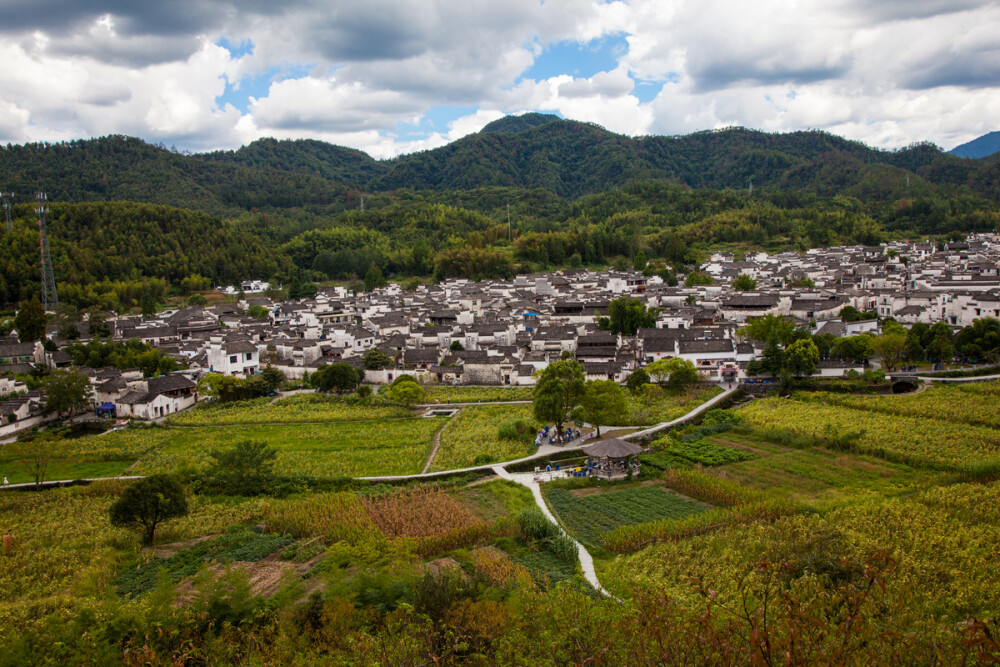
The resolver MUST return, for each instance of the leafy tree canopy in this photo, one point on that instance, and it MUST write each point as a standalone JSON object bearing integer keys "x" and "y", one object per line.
{"x": 147, "y": 503}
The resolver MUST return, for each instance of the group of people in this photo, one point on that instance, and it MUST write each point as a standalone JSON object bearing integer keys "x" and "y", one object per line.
{"x": 554, "y": 437}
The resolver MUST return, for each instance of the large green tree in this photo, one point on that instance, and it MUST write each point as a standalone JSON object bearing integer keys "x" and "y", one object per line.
{"x": 801, "y": 358}
{"x": 627, "y": 315}
{"x": 560, "y": 389}
{"x": 67, "y": 391}
{"x": 339, "y": 377}
{"x": 242, "y": 470}
{"x": 147, "y": 503}
{"x": 745, "y": 282}
{"x": 604, "y": 403}
{"x": 891, "y": 348}
{"x": 675, "y": 373}
{"x": 30, "y": 321}
{"x": 767, "y": 328}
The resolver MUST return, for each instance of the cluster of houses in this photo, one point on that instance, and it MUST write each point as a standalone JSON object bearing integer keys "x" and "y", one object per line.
{"x": 500, "y": 332}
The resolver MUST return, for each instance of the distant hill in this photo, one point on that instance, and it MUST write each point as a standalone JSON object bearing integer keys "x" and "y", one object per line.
{"x": 567, "y": 158}
{"x": 984, "y": 146}
{"x": 514, "y": 124}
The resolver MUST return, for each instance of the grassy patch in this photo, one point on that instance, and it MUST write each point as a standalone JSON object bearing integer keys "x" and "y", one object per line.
{"x": 348, "y": 449}
{"x": 473, "y": 437}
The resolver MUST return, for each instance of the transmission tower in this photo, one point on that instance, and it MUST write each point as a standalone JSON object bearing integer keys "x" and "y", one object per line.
{"x": 48, "y": 277}
{"x": 8, "y": 203}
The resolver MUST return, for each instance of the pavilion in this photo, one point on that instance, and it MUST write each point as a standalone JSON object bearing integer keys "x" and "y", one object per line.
{"x": 612, "y": 458}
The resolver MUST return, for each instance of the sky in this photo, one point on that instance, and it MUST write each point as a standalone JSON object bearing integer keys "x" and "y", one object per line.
{"x": 391, "y": 77}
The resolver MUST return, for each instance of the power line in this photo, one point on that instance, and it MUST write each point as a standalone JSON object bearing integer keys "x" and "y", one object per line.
{"x": 49, "y": 297}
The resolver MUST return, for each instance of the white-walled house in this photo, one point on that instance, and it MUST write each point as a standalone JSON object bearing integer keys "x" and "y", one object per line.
{"x": 233, "y": 357}
{"x": 157, "y": 397}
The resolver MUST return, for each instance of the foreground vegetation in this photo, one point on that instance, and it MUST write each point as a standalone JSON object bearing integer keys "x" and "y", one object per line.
{"x": 754, "y": 537}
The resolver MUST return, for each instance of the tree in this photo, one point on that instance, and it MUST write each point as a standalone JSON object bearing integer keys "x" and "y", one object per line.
{"x": 767, "y": 328}
{"x": 148, "y": 306}
{"x": 68, "y": 331}
{"x": 95, "y": 322}
{"x": 636, "y": 380}
{"x": 604, "y": 403}
{"x": 745, "y": 282}
{"x": 407, "y": 393}
{"x": 640, "y": 261}
{"x": 696, "y": 278}
{"x": 980, "y": 340}
{"x": 67, "y": 391}
{"x": 851, "y": 348}
{"x": 272, "y": 377}
{"x": 148, "y": 502}
{"x": 628, "y": 315}
{"x": 939, "y": 348}
{"x": 891, "y": 347}
{"x": 374, "y": 277}
{"x": 376, "y": 359}
{"x": 676, "y": 373}
{"x": 773, "y": 359}
{"x": 456, "y": 346}
{"x": 243, "y": 470}
{"x": 339, "y": 377}
{"x": 30, "y": 321}
{"x": 258, "y": 312}
{"x": 559, "y": 390}
{"x": 197, "y": 300}
{"x": 34, "y": 455}
{"x": 852, "y": 314}
{"x": 801, "y": 358}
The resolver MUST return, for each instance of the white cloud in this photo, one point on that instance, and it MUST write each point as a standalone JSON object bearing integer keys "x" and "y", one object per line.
{"x": 888, "y": 73}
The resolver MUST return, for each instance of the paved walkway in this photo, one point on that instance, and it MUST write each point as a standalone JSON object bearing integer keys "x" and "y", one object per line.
{"x": 980, "y": 378}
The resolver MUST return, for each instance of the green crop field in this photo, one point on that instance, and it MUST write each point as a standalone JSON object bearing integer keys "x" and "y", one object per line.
{"x": 589, "y": 517}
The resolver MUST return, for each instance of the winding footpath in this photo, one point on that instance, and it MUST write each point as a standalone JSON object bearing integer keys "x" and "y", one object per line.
{"x": 500, "y": 470}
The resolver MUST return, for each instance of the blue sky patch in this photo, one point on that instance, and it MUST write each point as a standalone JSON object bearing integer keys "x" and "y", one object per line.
{"x": 258, "y": 85}
{"x": 579, "y": 60}
{"x": 435, "y": 120}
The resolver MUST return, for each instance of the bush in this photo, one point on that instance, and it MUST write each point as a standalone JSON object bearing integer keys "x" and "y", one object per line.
{"x": 518, "y": 429}
{"x": 535, "y": 526}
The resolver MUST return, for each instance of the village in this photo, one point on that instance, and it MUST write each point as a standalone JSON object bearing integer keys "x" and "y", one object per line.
{"x": 495, "y": 332}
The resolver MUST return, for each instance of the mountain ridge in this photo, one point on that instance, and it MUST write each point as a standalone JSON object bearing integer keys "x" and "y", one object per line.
{"x": 569, "y": 158}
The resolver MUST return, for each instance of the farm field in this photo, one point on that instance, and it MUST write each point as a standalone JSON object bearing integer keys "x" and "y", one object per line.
{"x": 937, "y": 443}
{"x": 474, "y": 433}
{"x": 591, "y": 515}
{"x": 935, "y": 555}
{"x": 977, "y": 404}
{"x": 297, "y": 409}
{"x": 445, "y": 394}
{"x": 317, "y": 450}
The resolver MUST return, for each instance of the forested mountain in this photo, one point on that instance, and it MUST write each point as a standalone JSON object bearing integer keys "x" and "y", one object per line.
{"x": 527, "y": 193}
{"x": 984, "y": 146}
{"x": 531, "y": 151}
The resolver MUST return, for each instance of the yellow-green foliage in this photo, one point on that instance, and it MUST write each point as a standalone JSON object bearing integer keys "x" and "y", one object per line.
{"x": 337, "y": 517}
{"x": 474, "y": 432}
{"x": 655, "y": 405}
{"x": 933, "y": 442}
{"x": 444, "y": 394}
{"x": 298, "y": 409}
{"x": 946, "y": 559}
{"x": 976, "y": 404}
{"x": 66, "y": 551}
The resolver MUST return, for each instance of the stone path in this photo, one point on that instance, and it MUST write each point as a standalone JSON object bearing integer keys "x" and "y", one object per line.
{"x": 437, "y": 443}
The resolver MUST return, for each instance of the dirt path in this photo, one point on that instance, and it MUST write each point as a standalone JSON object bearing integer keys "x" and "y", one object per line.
{"x": 437, "y": 443}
